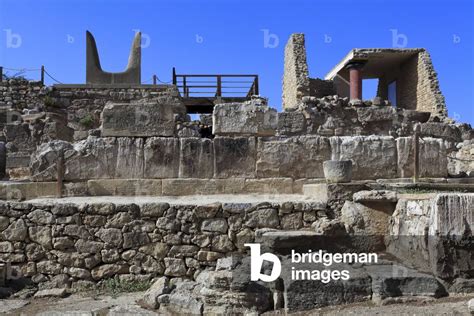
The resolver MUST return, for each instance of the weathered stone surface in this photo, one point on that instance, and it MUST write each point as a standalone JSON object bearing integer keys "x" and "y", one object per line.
{"x": 291, "y": 123}
{"x": 250, "y": 118}
{"x": 362, "y": 220}
{"x": 16, "y": 231}
{"x": 51, "y": 293}
{"x": 41, "y": 217}
{"x": 365, "y": 153}
{"x": 424, "y": 232}
{"x": 218, "y": 225}
{"x": 432, "y": 155}
{"x": 441, "y": 130}
{"x": 87, "y": 246}
{"x": 106, "y": 270}
{"x": 234, "y": 157}
{"x": 295, "y": 157}
{"x": 175, "y": 267}
{"x": 111, "y": 236}
{"x": 376, "y": 114}
{"x": 376, "y": 196}
{"x": 160, "y": 287}
{"x": 202, "y": 186}
{"x": 337, "y": 171}
{"x": 41, "y": 235}
{"x": 157, "y": 250}
{"x": 196, "y": 159}
{"x": 262, "y": 218}
{"x": 141, "y": 119}
{"x": 161, "y": 157}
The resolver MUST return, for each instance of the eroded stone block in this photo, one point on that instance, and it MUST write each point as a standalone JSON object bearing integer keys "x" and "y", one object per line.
{"x": 234, "y": 157}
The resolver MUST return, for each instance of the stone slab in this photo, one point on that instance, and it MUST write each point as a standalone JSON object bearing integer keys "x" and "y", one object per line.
{"x": 138, "y": 120}
{"x": 27, "y": 190}
{"x": 127, "y": 187}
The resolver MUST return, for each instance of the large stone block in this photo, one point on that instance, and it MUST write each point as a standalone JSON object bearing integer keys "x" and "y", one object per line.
{"x": 295, "y": 157}
{"x": 196, "y": 159}
{"x": 248, "y": 118}
{"x": 376, "y": 114}
{"x": 291, "y": 123}
{"x": 234, "y": 157}
{"x": 176, "y": 187}
{"x": 93, "y": 158}
{"x": 373, "y": 157}
{"x": 142, "y": 119}
{"x": 434, "y": 234}
{"x": 441, "y": 130}
{"x": 127, "y": 187}
{"x": 432, "y": 153}
{"x": 161, "y": 157}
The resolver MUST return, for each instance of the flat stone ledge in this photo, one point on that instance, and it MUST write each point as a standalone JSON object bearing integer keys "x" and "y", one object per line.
{"x": 178, "y": 200}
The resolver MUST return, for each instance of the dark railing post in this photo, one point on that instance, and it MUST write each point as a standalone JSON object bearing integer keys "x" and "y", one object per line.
{"x": 185, "y": 92}
{"x": 174, "y": 76}
{"x": 219, "y": 86}
{"x": 255, "y": 86}
{"x": 154, "y": 79}
{"x": 42, "y": 74}
{"x": 1, "y": 73}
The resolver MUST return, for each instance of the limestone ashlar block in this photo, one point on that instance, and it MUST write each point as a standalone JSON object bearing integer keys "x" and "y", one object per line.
{"x": 248, "y": 118}
{"x": 93, "y": 158}
{"x": 433, "y": 157}
{"x": 291, "y": 123}
{"x": 269, "y": 186}
{"x": 294, "y": 157}
{"x": 373, "y": 157}
{"x": 126, "y": 187}
{"x": 141, "y": 119}
{"x": 196, "y": 159}
{"x": 161, "y": 157}
{"x": 234, "y": 157}
{"x": 177, "y": 187}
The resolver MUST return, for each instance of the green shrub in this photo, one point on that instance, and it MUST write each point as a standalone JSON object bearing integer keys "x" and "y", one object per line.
{"x": 87, "y": 121}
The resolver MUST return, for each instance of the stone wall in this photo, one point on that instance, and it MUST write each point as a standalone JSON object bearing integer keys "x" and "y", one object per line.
{"x": 417, "y": 85}
{"x": 295, "y": 77}
{"x": 22, "y": 94}
{"x": 296, "y": 157}
{"x": 85, "y": 103}
{"x": 57, "y": 244}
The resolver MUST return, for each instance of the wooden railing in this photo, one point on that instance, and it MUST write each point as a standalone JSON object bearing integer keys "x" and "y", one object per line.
{"x": 216, "y": 86}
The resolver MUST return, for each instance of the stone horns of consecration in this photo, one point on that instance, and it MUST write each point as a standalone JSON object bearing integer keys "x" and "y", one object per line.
{"x": 95, "y": 74}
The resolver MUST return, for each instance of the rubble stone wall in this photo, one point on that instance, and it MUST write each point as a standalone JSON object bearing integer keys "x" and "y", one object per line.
{"x": 21, "y": 94}
{"x": 85, "y": 103}
{"x": 57, "y": 244}
{"x": 295, "y": 77}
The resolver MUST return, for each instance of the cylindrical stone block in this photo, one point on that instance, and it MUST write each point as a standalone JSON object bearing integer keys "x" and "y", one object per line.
{"x": 337, "y": 171}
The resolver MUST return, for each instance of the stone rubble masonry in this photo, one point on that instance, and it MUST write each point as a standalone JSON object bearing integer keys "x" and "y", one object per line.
{"x": 92, "y": 242}
{"x": 252, "y": 118}
{"x": 295, "y": 78}
{"x": 297, "y": 157}
{"x": 157, "y": 117}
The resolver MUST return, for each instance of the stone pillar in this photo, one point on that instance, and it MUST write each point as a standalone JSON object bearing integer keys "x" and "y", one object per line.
{"x": 355, "y": 78}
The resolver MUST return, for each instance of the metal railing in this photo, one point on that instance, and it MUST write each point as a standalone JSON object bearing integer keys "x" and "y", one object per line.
{"x": 216, "y": 85}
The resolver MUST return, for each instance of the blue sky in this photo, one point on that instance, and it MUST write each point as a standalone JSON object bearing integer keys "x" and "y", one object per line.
{"x": 229, "y": 37}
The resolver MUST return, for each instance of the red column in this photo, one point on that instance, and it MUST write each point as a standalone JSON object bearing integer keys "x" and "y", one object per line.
{"x": 355, "y": 78}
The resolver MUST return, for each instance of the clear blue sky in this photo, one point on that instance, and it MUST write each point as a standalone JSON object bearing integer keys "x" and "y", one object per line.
{"x": 228, "y": 37}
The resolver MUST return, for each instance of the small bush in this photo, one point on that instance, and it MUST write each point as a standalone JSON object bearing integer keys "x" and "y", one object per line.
{"x": 87, "y": 121}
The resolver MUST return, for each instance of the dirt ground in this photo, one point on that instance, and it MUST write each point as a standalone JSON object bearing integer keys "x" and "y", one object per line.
{"x": 125, "y": 304}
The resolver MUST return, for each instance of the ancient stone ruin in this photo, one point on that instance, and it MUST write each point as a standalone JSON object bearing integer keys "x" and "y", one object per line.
{"x": 111, "y": 179}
